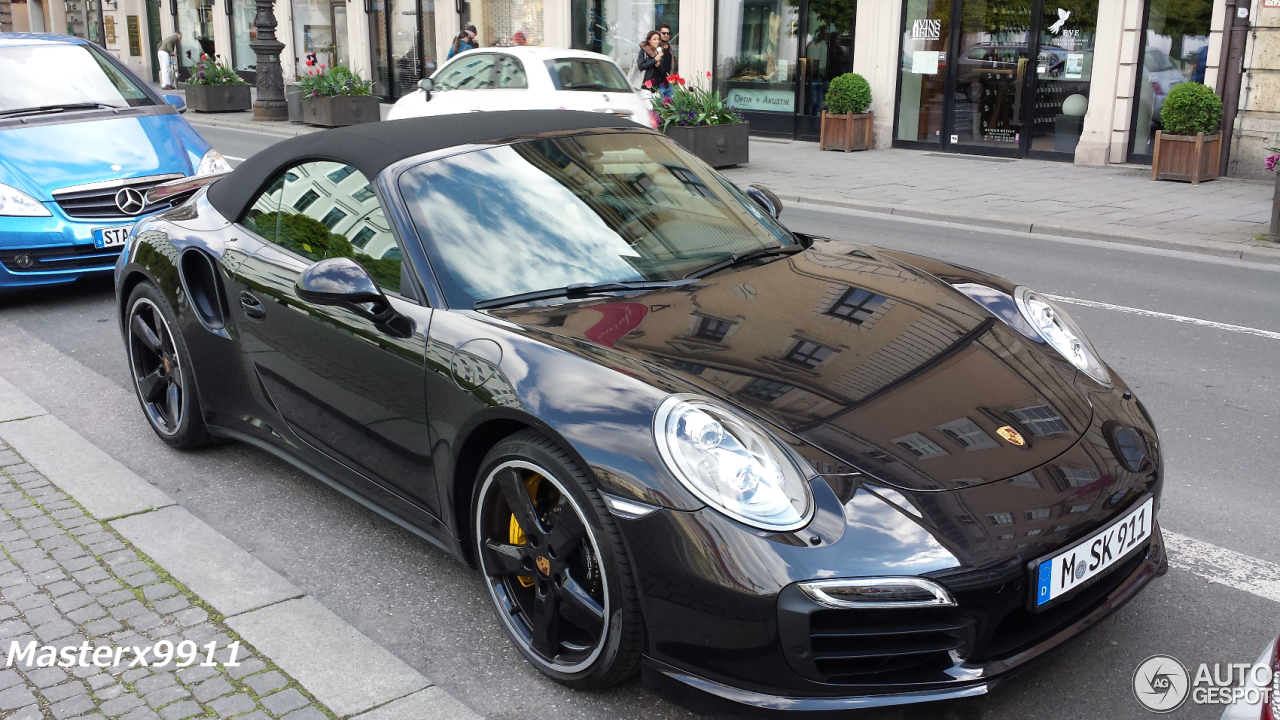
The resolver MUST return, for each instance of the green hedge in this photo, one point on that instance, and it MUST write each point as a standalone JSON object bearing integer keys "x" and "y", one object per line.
{"x": 848, "y": 93}
{"x": 1191, "y": 108}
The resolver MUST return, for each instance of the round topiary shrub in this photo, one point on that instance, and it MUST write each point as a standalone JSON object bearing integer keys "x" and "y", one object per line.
{"x": 848, "y": 93}
{"x": 1191, "y": 108}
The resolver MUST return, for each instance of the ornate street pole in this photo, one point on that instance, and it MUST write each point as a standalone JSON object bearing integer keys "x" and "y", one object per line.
{"x": 270, "y": 104}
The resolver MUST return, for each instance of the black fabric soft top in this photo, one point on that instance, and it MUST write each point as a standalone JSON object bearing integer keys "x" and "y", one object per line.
{"x": 371, "y": 147}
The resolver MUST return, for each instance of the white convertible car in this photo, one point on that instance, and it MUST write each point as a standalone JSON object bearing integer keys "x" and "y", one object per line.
{"x": 526, "y": 78}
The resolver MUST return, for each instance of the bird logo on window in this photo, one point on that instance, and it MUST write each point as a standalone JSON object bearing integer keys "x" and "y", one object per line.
{"x": 1062, "y": 20}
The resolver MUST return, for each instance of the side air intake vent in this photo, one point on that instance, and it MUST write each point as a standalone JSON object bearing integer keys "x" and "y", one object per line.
{"x": 200, "y": 279}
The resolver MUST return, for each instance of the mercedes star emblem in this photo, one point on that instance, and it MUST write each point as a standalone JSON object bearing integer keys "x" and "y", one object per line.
{"x": 130, "y": 201}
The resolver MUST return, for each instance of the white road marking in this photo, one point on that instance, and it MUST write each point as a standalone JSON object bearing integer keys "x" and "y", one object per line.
{"x": 1223, "y": 566}
{"x": 1164, "y": 316}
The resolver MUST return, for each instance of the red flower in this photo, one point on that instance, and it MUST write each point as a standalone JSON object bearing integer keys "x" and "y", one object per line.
{"x": 708, "y": 74}
{"x": 648, "y": 83}
{"x": 204, "y": 56}
{"x": 675, "y": 79}
{"x": 310, "y": 63}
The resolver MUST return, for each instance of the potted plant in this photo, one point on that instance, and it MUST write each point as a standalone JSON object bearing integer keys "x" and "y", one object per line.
{"x": 846, "y": 122}
{"x": 215, "y": 87}
{"x": 1189, "y": 147}
{"x": 703, "y": 123}
{"x": 335, "y": 97}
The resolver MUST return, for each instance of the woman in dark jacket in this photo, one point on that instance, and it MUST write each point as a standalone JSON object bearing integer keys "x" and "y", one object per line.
{"x": 650, "y": 61}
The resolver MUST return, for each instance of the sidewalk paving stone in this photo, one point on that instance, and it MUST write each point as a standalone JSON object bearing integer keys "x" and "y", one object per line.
{"x": 53, "y": 596}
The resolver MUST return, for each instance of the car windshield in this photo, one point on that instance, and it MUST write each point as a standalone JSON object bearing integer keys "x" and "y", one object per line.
{"x": 62, "y": 75}
{"x": 587, "y": 74}
{"x": 594, "y": 208}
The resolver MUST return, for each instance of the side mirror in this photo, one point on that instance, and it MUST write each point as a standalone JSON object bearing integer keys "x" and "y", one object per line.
{"x": 427, "y": 85}
{"x": 177, "y": 102}
{"x": 766, "y": 199}
{"x": 343, "y": 282}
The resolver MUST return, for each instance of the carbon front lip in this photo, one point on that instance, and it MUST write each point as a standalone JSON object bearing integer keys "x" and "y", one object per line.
{"x": 814, "y": 704}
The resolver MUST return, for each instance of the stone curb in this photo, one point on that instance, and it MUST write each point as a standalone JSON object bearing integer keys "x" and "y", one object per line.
{"x": 273, "y": 127}
{"x": 341, "y": 667}
{"x": 1217, "y": 248}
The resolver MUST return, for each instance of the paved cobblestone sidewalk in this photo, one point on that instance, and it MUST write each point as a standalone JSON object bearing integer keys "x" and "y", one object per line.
{"x": 67, "y": 579}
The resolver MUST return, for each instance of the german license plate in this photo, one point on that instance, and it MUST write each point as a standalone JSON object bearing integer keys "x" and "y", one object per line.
{"x": 1090, "y": 558}
{"x": 111, "y": 237}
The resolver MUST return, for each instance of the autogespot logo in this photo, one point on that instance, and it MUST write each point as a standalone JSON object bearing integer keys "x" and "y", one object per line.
{"x": 1161, "y": 683}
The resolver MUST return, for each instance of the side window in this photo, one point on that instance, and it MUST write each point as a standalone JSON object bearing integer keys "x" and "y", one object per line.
{"x": 474, "y": 72}
{"x": 511, "y": 74}
{"x": 324, "y": 210}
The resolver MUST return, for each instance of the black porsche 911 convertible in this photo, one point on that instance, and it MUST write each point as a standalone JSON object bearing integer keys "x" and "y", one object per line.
{"x": 671, "y": 434}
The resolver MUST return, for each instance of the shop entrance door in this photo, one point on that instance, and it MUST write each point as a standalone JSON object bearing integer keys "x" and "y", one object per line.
{"x": 995, "y": 77}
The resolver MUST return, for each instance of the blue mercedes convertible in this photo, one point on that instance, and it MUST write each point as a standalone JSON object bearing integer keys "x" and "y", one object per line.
{"x": 82, "y": 140}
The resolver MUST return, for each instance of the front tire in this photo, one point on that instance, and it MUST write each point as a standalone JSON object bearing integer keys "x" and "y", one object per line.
{"x": 554, "y": 564}
{"x": 161, "y": 370}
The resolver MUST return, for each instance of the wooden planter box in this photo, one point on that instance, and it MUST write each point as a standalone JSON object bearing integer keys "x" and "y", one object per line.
{"x": 716, "y": 145}
{"x": 219, "y": 98}
{"x": 1189, "y": 158}
{"x": 846, "y": 132}
{"x": 340, "y": 110}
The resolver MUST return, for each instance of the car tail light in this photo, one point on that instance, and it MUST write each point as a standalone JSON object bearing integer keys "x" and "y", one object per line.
{"x": 653, "y": 119}
{"x": 1271, "y": 708}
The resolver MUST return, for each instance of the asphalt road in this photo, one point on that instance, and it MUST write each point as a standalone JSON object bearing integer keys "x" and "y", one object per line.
{"x": 1213, "y": 393}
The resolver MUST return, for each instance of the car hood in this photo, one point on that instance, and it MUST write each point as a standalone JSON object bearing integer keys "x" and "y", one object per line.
{"x": 911, "y": 382}
{"x": 42, "y": 157}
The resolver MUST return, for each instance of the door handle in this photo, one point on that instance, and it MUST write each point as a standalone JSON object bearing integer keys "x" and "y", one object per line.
{"x": 252, "y": 307}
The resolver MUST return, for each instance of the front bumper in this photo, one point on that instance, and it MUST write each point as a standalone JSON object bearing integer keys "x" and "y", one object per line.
{"x": 51, "y": 250}
{"x": 964, "y": 679}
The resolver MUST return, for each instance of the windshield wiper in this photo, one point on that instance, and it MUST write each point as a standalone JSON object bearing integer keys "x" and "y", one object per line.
{"x": 743, "y": 257}
{"x": 582, "y": 290}
{"x": 59, "y": 108}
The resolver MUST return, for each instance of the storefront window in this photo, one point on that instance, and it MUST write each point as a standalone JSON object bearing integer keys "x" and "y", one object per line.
{"x": 194, "y": 19}
{"x": 1175, "y": 50}
{"x": 991, "y": 72}
{"x": 1064, "y": 71}
{"x": 617, "y": 27}
{"x": 506, "y": 23}
{"x": 404, "y": 51}
{"x": 827, "y": 52}
{"x": 926, "y": 28}
{"x": 758, "y": 48}
{"x": 242, "y": 33}
{"x": 320, "y": 29}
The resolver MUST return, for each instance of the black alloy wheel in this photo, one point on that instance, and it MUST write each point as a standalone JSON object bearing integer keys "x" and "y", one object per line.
{"x": 160, "y": 368}
{"x": 549, "y": 553}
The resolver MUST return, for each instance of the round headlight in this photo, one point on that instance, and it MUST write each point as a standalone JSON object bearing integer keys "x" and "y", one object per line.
{"x": 1056, "y": 328}
{"x": 732, "y": 464}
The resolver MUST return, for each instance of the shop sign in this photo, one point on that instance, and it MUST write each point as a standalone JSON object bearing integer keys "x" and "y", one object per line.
{"x": 926, "y": 29}
{"x": 763, "y": 100}
{"x": 135, "y": 37}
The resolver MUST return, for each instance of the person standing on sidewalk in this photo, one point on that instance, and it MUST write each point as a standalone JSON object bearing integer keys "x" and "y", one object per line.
{"x": 668, "y": 58}
{"x": 166, "y": 54}
{"x": 650, "y": 62}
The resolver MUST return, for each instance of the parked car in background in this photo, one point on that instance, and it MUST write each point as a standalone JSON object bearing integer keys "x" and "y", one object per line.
{"x": 82, "y": 140}
{"x": 1163, "y": 75}
{"x": 526, "y": 78}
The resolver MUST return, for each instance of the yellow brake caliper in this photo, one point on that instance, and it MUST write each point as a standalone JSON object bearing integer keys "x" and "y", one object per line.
{"x": 517, "y": 535}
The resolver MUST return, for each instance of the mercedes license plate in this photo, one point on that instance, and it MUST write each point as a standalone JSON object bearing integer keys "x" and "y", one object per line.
{"x": 1091, "y": 557}
{"x": 111, "y": 237}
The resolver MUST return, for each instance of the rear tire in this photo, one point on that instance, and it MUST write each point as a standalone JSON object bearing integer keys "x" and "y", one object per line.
{"x": 556, "y": 568}
{"x": 163, "y": 379}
